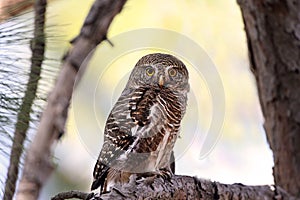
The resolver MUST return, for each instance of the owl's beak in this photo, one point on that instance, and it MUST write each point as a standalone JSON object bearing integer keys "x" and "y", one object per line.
{"x": 161, "y": 81}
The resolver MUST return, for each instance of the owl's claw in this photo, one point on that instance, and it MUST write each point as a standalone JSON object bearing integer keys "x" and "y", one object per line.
{"x": 165, "y": 174}
{"x": 147, "y": 178}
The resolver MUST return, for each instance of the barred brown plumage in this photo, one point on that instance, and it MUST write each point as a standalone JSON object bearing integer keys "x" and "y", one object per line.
{"x": 143, "y": 125}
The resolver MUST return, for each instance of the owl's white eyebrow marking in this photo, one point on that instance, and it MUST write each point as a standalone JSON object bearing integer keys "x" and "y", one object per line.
{"x": 170, "y": 66}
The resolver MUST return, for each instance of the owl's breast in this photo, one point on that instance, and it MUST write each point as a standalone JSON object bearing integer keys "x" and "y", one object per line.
{"x": 159, "y": 135}
{"x": 154, "y": 121}
{"x": 168, "y": 120}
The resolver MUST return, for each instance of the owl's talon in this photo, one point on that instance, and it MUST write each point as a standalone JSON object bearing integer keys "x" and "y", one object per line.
{"x": 147, "y": 178}
{"x": 165, "y": 174}
{"x": 146, "y": 174}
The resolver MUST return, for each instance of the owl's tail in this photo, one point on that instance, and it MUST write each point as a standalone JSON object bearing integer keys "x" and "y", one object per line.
{"x": 100, "y": 176}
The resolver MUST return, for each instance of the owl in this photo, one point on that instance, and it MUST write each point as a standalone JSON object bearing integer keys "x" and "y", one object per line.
{"x": 143, "y": 126}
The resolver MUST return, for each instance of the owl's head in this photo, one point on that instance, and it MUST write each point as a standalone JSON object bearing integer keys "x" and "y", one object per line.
{"x": 160, "y": 70}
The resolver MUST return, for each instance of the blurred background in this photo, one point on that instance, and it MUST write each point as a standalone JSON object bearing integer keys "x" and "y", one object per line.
{"x": 240, "y": 153}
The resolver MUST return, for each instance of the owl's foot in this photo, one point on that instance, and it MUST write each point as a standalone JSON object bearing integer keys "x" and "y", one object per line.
{"x": 165, "y": 174}
{"x": 147, "y": 178}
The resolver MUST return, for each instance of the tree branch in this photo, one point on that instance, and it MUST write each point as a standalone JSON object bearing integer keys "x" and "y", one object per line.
{"x": 10, "y": 8}
{"x": 186, "y": 187}
{"x": 72, "y": 194}
{"x": 23, "y": 119}
{"x": 38, "y": 162}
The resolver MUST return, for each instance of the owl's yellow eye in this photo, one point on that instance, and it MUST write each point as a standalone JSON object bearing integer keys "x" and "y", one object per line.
{"x": 172, "y": 72}
{"x": 149, "y": 71}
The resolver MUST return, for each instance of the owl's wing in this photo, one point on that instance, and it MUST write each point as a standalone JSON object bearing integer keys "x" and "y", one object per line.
{"x": 128, "y": 115}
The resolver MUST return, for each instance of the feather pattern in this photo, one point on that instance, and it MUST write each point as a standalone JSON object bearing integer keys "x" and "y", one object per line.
{"x": 141, "y": 129}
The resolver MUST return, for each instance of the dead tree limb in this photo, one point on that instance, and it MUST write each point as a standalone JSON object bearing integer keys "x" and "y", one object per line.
{"x": 72, "y": 194}
{"x": 38, "y": 162}
{"x": 185, "y": 187}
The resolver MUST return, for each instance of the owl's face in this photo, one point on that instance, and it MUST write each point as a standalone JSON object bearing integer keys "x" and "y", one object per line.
{"x": 161, "y": 71}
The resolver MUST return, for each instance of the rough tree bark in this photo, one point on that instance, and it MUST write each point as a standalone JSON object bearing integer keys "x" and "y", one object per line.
{"x": 38, "y": 162}
{"x": 273, "y": 34}
{"x": 183, "y": 187}
{"x": 186, "y": 187}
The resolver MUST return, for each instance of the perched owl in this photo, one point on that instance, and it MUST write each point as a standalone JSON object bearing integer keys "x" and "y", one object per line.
{"x": 144, "y": 124}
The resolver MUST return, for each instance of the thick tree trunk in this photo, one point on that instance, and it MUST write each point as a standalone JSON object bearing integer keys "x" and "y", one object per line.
{"x": 273, "y": 34}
